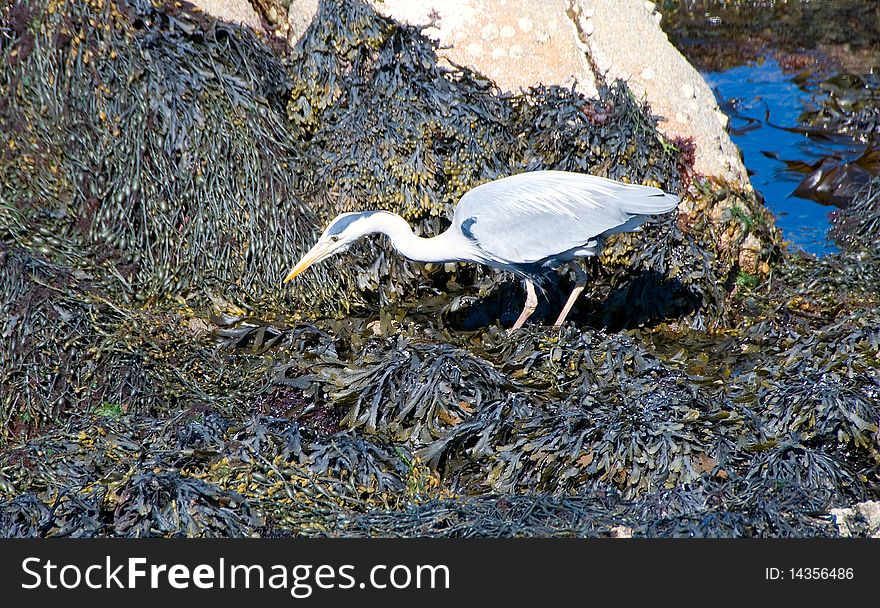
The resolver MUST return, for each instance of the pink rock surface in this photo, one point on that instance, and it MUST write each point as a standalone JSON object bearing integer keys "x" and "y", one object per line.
{"x": 233, "y": 11}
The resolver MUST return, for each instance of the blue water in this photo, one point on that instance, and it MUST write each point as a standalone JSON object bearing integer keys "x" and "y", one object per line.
{"x": 752, "y": 90}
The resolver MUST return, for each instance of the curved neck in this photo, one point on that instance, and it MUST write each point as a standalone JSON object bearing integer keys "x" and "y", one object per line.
{"x": 441, "y": 248}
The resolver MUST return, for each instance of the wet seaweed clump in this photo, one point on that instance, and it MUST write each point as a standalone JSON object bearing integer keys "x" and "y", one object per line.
{"x": 57, "y": 358}
{"x": 626, "y": 421}
{"x": 197, "y": 475}
{"x": 858, "y": 225}
{"x": 412, "y": 392}
{"x": 161, "y": 169}
{"x": 69, "y": 349}
{"x": 849, "y": 104}
{"x": 150, "y": 145}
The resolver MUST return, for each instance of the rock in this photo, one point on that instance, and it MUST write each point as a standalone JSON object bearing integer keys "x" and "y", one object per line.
{"x": 687, "y": 90}
{"x": 627, "y": 40}
{"x": 862, "y": 519}
{"x": 550, "y": 43}
{"x": 489, "y": 32}
{"x": 750, "y": 254}
{"x": 299, "y": 16}
{"x": 233, "y": 11}
{"x": 870, "y": 512}
{"x": 586, "y": 25}
{"x": 475, "y": 49}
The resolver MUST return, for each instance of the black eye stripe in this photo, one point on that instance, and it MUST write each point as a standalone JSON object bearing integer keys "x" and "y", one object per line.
{"x": 342, "y": 223}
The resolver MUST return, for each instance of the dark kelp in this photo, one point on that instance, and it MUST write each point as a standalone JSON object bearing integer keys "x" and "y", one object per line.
{"x": 155, "y": 381}
{"x": 858, "y": 225}
{"x": 847, "y": 103}
{"x": 120, "y": 116}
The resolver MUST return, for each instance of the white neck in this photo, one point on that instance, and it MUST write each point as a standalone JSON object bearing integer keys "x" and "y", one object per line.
{"x": 445, "y": 247}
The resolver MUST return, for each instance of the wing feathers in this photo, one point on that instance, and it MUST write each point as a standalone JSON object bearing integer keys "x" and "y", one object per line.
{"x": 529, "y": 217}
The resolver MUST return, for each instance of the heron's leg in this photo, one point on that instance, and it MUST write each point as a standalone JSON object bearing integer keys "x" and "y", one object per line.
{"x": 580, "y": 281}
{"x": 529, "y": 308}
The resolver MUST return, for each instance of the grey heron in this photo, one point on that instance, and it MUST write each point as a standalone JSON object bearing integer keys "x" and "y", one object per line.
{"x": 526, "y": 223}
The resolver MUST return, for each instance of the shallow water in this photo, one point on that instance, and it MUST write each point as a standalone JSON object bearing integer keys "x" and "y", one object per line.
{"x": 759, "y": 98}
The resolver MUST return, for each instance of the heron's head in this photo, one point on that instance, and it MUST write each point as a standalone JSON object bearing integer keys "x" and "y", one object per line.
{"x": 344, "y": 230}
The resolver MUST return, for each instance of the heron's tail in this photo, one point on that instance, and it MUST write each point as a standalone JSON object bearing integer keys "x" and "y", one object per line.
{"x": 652, "y": 201}
{"x": 648, "y": 201}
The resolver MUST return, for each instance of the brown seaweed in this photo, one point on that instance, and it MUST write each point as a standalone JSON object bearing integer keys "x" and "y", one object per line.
{"x": 155, "y": 380}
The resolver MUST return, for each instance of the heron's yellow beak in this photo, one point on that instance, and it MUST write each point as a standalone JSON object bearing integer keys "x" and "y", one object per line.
{"x": 317, "y": 253}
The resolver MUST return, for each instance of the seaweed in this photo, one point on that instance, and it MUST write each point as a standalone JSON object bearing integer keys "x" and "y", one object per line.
{"x": 847, "y": 103}
{"x": 858, "y": 225}
{"x": 159, "y": 153}
{"x": 59, "y": 354}
{"x": 155, "y": 380}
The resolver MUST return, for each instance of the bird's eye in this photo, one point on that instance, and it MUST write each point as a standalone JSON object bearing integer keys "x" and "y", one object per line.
{"x": 334, "y": 238}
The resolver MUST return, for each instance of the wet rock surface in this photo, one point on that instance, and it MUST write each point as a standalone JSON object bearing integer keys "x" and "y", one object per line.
{"x": 158, "y": 381}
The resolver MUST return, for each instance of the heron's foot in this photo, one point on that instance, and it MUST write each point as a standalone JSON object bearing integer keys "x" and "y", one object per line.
{"x": 526, "y": 313}
{"x": 512, "y": 330}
